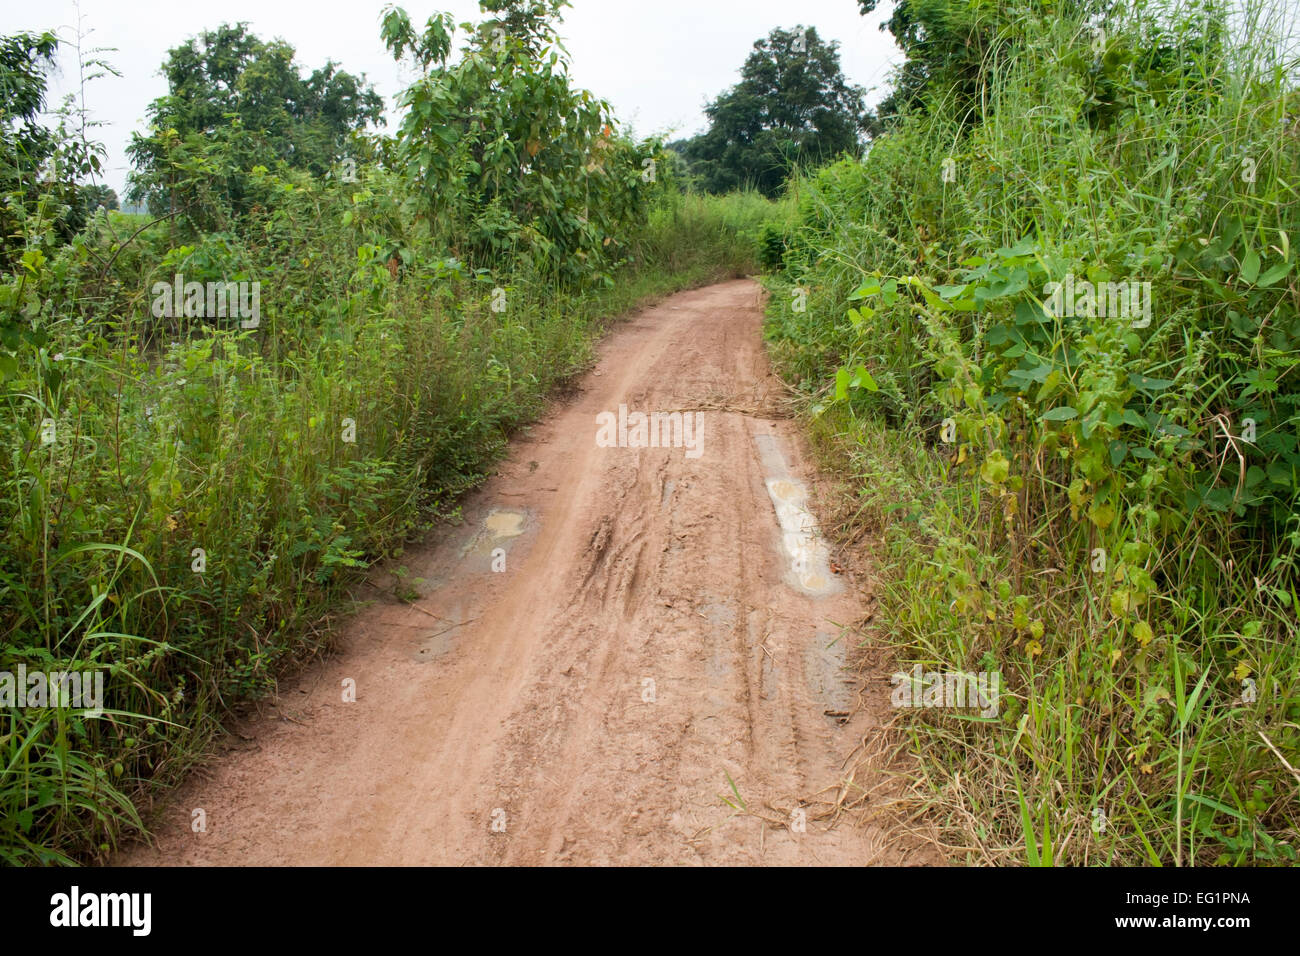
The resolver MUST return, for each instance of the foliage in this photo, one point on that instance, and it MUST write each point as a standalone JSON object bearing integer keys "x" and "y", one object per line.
{"x": 235, "y": 102}
{"x": 41, "y": 170}
{"x": 945, "y": 44}
{"x": 501, "y": 149}
{"x": 791, "y": 107}
{"x": 1098, "y": 501}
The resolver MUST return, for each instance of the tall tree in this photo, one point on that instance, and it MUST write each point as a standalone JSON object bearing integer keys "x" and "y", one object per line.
{"x": 230, "y": 88}
{"x": 791, "y": 106}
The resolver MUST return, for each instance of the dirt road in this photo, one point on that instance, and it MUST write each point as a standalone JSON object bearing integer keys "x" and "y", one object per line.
{"x": 614, "y": 637}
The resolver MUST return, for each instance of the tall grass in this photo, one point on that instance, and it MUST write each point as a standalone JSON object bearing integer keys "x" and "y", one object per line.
{"x": 1080, "y": 501}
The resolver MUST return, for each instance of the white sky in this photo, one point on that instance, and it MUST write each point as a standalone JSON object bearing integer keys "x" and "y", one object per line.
{"x": 656, "y": 62}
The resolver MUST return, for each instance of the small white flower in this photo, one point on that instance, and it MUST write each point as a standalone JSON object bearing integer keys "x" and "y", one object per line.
{"x": 58, "y": 356}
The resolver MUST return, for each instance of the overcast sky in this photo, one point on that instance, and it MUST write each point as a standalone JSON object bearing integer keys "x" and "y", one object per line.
{"x": 657, "y": 62}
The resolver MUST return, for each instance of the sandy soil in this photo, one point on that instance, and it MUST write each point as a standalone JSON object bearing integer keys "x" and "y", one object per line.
{"x": 665, "y": 625}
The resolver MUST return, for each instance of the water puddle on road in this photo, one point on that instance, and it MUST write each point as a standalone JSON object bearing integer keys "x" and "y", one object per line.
{"x": 801, "y": 543}
{"x": 505, "y": 524}
{"x": 486, "y": 550}
{"x": 499, "y": 528}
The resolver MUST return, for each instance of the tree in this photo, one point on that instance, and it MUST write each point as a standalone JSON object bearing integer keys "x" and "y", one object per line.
{"x": 791, "y": 107}
{"x": 25, "y": 59}
{"x": 501, "y": 150}
{"x": 943, "y": 45}
{"x": 29, "y": 186}
{"x": 235, "y": 102}
{"x": 947, "y": 45}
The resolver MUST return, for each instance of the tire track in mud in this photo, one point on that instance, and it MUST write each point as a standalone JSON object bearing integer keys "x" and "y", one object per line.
{"x": 649, "y": 643}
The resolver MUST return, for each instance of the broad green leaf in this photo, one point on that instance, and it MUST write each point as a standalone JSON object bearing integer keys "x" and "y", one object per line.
{"x": 1274, "y": 274}
{"x": 1061, "y": 413}
{"x": 863, "y": 379}
{"x": 1148, "y": 384}
{"x": 1250, "y": 266}
{"x": 841, "y": 385}
{"x": 995, "y": 469}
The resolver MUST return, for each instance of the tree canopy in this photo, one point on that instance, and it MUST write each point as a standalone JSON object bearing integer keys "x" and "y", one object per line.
{"x": 503, "y": 150}
{"x": 792, "y": 106}
{"x": 228, "y": 87}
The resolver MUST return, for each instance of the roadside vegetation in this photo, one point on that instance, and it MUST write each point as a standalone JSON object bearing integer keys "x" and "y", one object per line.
{"x": 1097, "y": 500}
